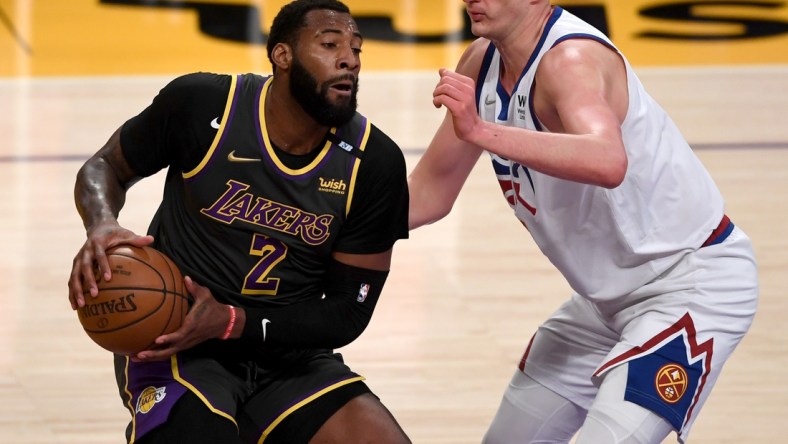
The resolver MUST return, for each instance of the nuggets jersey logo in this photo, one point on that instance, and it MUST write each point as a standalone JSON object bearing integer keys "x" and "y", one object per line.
{"x": 515, "y": 182}
{"x": 671, "y": 383}
{"x": 667, "y": 373}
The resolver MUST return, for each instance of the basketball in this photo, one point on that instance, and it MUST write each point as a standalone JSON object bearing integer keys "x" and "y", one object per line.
{"x": 145, "y": 299}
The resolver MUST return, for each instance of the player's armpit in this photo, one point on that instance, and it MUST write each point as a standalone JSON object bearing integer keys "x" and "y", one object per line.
{"x": 351, "y": 294}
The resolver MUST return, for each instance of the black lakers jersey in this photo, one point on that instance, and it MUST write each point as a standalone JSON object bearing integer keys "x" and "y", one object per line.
{"x": 240, "y": 218}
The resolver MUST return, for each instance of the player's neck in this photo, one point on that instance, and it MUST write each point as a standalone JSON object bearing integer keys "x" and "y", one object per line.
{"x": 516, "y": 48}
{"x": 289, "y": 127}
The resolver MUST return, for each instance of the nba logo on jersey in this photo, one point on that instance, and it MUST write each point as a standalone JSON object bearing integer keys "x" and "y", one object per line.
{"x": 363, "y": 292}
{"x": 345, "y": 146}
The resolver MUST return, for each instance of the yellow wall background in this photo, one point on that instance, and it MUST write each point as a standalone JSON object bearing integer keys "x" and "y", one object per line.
{"x": 88, "y": 37}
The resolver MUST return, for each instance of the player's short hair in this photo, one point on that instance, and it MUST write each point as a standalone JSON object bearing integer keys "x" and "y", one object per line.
{"x": 292, "y": 18}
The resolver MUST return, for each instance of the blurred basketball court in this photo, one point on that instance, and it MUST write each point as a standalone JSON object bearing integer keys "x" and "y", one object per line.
{"x": 465, "y": 294}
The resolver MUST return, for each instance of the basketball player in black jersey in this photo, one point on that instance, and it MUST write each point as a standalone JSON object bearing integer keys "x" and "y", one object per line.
{"x": 281, "y": 206}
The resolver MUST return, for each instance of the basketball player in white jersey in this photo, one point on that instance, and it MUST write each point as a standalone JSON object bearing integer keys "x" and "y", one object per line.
{"x": 665, "y": 286}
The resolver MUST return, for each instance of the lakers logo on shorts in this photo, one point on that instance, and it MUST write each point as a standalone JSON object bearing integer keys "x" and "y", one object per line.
{"x": 671, "y": 383}
{"x": 150, "y": 397}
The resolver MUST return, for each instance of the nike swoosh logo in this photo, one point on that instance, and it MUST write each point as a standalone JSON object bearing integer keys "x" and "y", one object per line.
{"x": 488, "y": 101}
{"x": 233, "y": 158}
{"x": 215, "y": 123}
{"x": 265, "y": 323}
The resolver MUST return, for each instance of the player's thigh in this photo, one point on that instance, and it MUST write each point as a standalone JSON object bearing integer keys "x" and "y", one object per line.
{"x": 363, "y": 419}
{"x": 566, "y": 350}
{"x": 191, "y": 421}
{"x": 530, "y": 412}
{"x": 613, "y": 420}
{"x": 676, "y": 342}
{"x": 308, "y": 399}
{"x": 152, "y": 390}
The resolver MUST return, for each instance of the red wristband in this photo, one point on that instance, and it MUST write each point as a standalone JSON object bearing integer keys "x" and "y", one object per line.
{"x": 229, "y": 330}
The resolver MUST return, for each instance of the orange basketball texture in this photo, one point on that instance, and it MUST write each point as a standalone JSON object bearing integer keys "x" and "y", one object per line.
{"x": 145, "y": 299}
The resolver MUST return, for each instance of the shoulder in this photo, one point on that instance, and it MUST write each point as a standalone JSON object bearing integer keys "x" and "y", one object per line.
{"x": 382, "y": 147}
{"x": 382, "y": 156}
{"x": 470, "y": 62}
{"x": 200, "y": 80}
{"x": 575, "y": 54}
{"x": 191, "y": 88}
{"x": 381, "y": 140}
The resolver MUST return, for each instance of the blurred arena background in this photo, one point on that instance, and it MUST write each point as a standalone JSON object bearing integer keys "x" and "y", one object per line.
{"x": 144, "y": 37}
{"x": 463, "y": 295}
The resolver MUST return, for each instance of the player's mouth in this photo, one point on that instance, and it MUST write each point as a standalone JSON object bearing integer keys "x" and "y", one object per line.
{"x": 343, "y": 85}
{"x": 476, "y": 16}
{"x": 343, "y": 88}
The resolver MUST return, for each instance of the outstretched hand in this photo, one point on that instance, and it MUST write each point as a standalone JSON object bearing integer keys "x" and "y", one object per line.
{"x": 206, "y": 319}
{"x": 92, "y": 259}
{"x": 458, "y": 94}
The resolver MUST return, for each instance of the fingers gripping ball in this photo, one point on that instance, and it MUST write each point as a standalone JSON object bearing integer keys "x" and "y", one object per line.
{"x": 145, "y": 299}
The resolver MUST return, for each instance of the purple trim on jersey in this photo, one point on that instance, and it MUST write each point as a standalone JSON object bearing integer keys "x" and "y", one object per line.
{"x": 236, "y": 95}
{"x": 361, "y": 133}
{"x": 316, "y": 169}
{"x": 260, "y": 141}
{"x": 267, "y": 156}
{"x": 357, "y": 146}
{"x": 160, "y": 390}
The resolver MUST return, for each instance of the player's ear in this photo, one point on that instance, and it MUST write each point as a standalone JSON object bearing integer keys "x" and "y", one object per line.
{"x": 282, "y": 55}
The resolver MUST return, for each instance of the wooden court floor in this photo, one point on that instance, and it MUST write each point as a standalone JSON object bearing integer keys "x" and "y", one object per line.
{"x": 463, "y": 297}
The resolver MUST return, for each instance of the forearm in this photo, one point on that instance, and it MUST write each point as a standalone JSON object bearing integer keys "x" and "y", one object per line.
{"x": 97, "y": 196}
{"x": 438, "y": 177}
{"x": 331, "y": 322}
{"x": 101, "y": 184}
{"x": 596, "y": 159}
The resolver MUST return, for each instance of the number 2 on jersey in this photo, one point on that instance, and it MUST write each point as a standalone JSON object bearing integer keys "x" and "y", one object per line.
{"x": 271, "y": 252}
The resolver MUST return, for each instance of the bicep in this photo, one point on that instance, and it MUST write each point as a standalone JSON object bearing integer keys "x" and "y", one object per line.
{"x": 378, "y": 214}
{"x": 581, "y": 88}
{"x": 376, "y": 261}
{"x": 439, "y": 175}
{"x": 111, "y": 155}
{"x": 173, "y": 131}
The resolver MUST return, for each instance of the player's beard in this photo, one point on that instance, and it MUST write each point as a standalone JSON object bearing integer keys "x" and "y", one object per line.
{"x": 304, "y": 88}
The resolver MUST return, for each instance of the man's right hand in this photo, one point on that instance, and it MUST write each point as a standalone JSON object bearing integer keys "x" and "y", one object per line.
{"x": 92, "y": 258}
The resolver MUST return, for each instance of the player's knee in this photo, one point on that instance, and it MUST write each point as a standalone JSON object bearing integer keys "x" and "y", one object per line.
{"x": 362, "y": 419}
{"x": 191, "y": 421}
{"x": 529, "y": 412}
{"x": 622, "y": 422}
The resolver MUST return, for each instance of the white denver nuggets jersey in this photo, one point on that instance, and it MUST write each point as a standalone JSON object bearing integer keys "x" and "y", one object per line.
{"x": 606, "y": 242}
